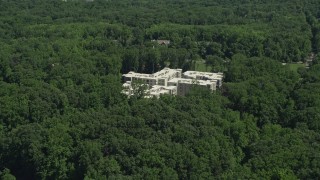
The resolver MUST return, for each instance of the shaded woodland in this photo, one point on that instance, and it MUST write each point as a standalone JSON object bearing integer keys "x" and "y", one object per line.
{"x": 62, "y": 115}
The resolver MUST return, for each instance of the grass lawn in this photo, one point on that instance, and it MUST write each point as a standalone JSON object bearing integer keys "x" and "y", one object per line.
{"x": 201, "y": 66}
{"x": 294, "y": 67}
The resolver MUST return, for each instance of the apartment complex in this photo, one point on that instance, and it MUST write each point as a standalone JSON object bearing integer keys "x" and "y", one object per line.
{"x": 184, "y": 85}
{"x": 171, "y": 81}
{"x": 204, "y": 76}
{"x": 159, "y": 78}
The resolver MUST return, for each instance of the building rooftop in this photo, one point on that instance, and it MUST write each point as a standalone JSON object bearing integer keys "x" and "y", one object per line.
{"x": 175, "y": 80}
{"x": 192, "y": 81}
{"x": 169, "y": 81}
{"x": 208, "y": 75}
{"x": 163, "y": 73}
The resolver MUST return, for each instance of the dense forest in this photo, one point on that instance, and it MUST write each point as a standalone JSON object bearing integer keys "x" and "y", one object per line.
{"x": 62, "y": 114}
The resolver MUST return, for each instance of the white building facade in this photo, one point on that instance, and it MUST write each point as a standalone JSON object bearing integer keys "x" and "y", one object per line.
{"x": 171, "y": 81}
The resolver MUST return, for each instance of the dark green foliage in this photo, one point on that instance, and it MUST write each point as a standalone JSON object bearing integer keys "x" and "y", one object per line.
{"x": 62, "y": 115}
{"x": 287, "y": 152}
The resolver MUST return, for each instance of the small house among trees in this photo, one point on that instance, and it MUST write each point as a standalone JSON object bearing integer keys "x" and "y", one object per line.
{"x": 162, "y": 42}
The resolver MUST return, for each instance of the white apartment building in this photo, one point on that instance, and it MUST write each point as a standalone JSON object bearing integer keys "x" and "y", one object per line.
{"x": 204, "y": 76}
{"x": 157, "y": 90}
{"x": 127, "y": 88}
{"x": 158, "y": 78}
{"x": 184, "y": 85}
{"x": 153, "y": 91}
{"x": 169, "y": 81}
